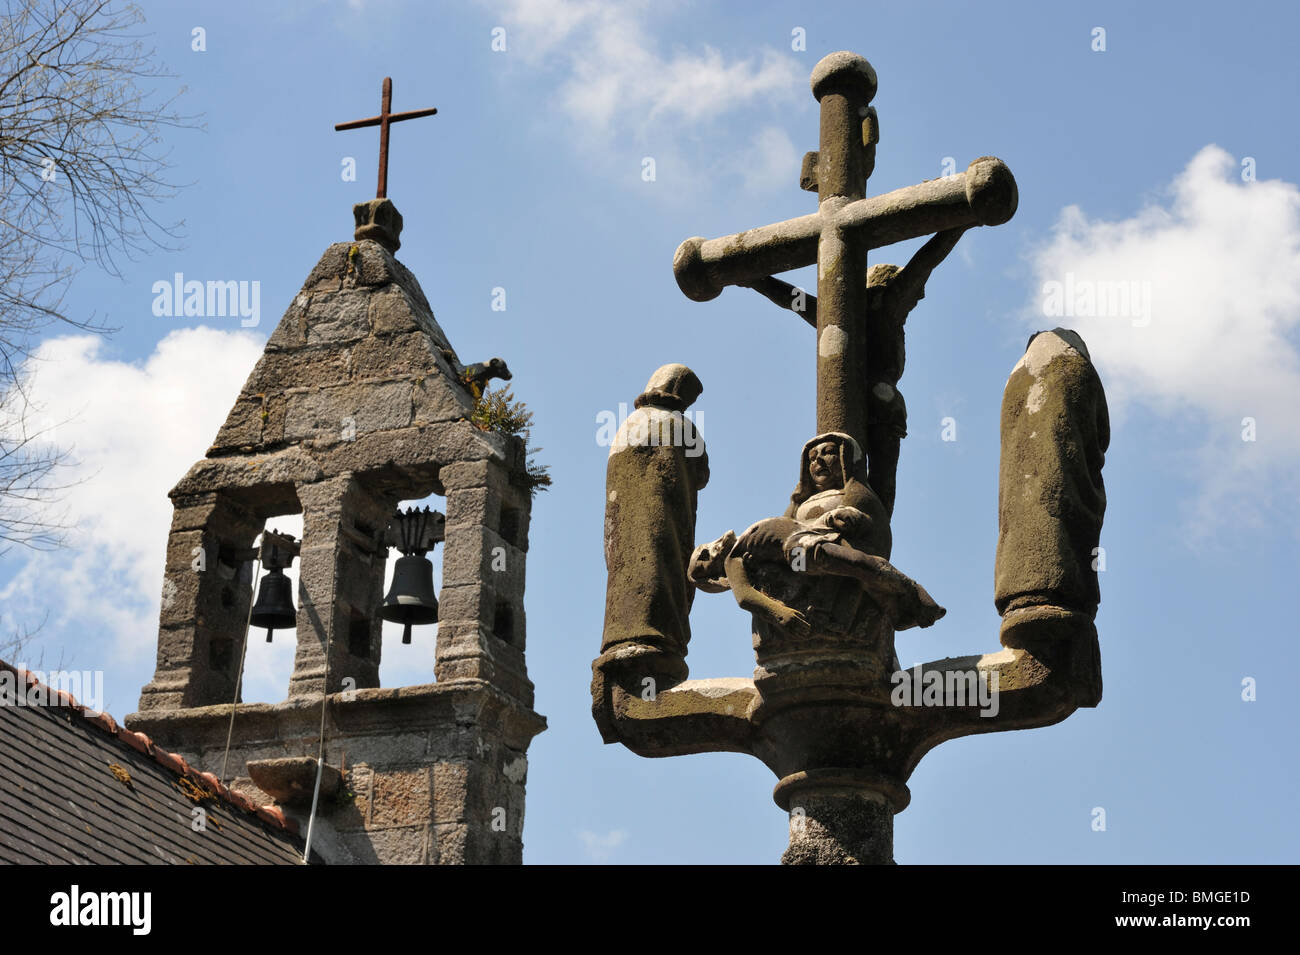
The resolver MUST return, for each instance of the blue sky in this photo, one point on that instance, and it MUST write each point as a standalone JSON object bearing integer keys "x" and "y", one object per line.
{"x": 1133, "y": 164}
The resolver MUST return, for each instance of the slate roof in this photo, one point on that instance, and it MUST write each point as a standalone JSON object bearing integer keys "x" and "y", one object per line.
{"x": 77, "y": 788}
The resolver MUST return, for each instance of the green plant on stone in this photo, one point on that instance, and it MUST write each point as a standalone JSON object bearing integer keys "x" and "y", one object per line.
{"x": 497, "y": 410}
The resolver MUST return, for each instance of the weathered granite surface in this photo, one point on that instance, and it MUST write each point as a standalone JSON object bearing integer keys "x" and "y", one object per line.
{"x": 828, "y": 710}
{"x": 358, "y": 402}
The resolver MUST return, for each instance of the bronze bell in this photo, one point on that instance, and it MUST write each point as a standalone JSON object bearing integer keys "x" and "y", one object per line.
{"x": 274, "y": 607}
{"x": 411, "y": 600}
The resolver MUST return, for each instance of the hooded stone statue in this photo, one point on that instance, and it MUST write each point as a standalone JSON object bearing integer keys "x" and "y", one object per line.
{"x": 815, "y": 497}
{"x": 657, "y": 466}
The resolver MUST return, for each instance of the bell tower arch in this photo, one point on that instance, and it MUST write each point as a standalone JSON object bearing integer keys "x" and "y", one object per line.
{"x": 358, "y": 402}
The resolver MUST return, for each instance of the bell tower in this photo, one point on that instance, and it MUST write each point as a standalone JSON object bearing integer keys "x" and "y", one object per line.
{"x": 359, "y": 402}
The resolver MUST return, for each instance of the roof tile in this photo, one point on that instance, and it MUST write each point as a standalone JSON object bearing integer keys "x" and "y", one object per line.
{"x": 137, "y": 741}
{"x": 102, "y": 720}
{"x": 171, "y": 761}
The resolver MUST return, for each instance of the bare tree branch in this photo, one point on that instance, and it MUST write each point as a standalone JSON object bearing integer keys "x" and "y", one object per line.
{"x": 15, "y": 645}
{"x": 31, "y": 469}
{"x": 82, "y": 169}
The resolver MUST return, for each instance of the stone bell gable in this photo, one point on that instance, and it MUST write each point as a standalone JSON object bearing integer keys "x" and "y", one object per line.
{"x": 358, "y": 403}
{"x": 357, "y": 355}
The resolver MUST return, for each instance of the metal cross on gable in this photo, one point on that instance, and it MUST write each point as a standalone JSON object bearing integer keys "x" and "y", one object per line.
{"x": 383, "y": 120}
{"x": 839, "y": 234}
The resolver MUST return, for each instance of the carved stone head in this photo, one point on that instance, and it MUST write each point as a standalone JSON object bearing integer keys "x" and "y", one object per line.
{"x": 830, "y": 460}
{"x": 674, "y": 387}
{"x": 881, "y": 273}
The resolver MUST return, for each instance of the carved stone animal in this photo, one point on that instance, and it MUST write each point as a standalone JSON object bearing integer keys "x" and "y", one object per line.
{"x": 477, "y": 375}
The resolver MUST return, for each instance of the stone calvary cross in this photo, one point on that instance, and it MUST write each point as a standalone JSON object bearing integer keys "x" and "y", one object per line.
{"x": 383, "y": 121}
{"x": 829, "y": 710}
{"x": 844, "y": 228}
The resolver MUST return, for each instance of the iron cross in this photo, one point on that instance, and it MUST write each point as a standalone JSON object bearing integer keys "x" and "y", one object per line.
{"x": 382, "y": 121}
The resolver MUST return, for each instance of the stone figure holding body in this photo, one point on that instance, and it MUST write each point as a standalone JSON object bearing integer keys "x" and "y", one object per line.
{"x": 657, "y": 466}
{"x": 834, "y": 530}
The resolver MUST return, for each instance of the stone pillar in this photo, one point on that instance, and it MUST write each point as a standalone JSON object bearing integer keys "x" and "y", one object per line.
{"x": 840, "y": 817}
{"x": 481, "y": 631}
{"x": 843, "y": 84}
{"x": 207, "y": 589}
{"x": 341, "y": 578}
{"x": 850, "y": 828}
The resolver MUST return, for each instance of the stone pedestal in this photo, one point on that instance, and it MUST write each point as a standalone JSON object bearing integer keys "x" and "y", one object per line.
{"x": 207, "y": 590}
{"x": 378, "y": 220}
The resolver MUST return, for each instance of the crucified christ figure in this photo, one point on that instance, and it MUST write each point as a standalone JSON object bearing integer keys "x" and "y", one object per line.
{"x": 892, "y": 293}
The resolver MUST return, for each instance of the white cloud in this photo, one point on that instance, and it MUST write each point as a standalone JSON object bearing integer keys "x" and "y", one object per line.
{"x": 600, "y": 846}
{"x": 618, "y": 88}
{"x": 615, "y": 74}
{"x": 133, "y": 429}
{"x": 1215, "y": 342}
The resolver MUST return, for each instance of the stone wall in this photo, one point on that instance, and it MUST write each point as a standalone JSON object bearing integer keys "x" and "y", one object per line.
{"x": 431, "y": 774}
{"x": 357, "y": 404}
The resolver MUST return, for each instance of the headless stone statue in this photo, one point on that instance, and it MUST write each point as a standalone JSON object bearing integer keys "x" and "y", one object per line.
{"x": 1051, "y": 499}
{"x": 657, "y": 466}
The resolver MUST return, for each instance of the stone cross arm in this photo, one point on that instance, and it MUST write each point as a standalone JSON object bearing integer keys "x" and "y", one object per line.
{"x": 985, "y": 194}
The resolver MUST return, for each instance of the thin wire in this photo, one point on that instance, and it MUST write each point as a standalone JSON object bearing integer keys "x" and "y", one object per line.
{"x": 239, "y": 679}
{"x": 320, "y": 755}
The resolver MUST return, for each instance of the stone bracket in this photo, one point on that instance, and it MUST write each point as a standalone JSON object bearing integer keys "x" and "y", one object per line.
{"x": 291, "y": 780}
{"x": 693, "y": 716}
{"x": 1049, "y": 667}
{"x": 1054, "y": 669}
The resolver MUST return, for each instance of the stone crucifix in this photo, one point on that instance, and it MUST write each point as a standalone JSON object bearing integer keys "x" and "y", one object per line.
{"x": 829, "y": 710}
{"x": 839, "y": 234}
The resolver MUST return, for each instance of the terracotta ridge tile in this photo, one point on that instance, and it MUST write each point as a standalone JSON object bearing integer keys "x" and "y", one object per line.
{"x": 271, "y": 814}
{"x": 137, "y": 741}
{"x": 216, "y": 785}
{"x": 103, "y": 720}
{"x": 174, "y": 762}
{"x": 243, "y": 802}
{"x": 170, "y": 761}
